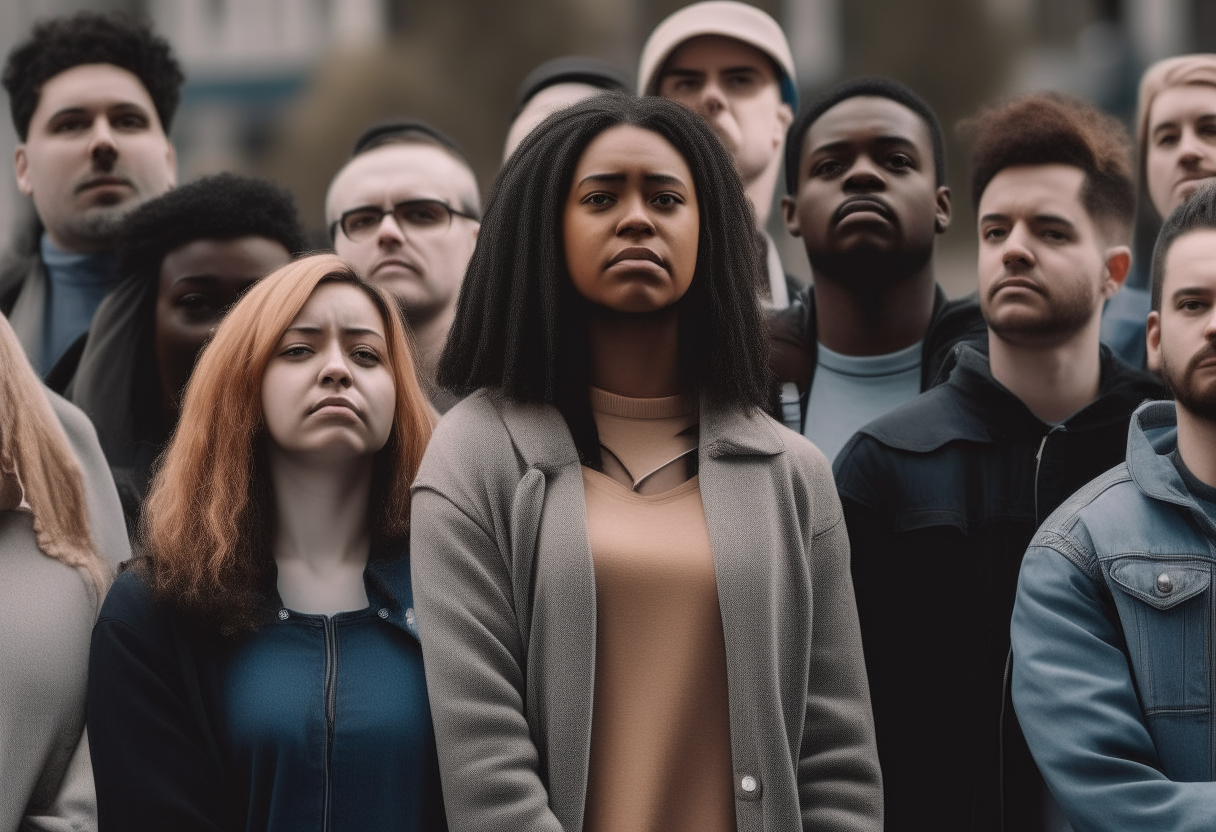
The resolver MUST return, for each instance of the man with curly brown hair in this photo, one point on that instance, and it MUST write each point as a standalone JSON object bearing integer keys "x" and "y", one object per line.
{"x": 943, "y": 494}
{"x": 92, "y": 97}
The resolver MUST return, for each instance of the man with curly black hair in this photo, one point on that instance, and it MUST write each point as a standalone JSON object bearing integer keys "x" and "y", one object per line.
{"x": 184, "y": 259}
{"x": 92, "y": 97}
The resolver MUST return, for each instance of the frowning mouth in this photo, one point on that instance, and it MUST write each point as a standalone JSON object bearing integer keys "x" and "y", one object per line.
{"x": 103, "y": 182}
{"x": 394, "y": 263}
{"x": 637, "y": 253}
{"x": 334, "y": 402}
{"x": 1016, "y": 283}
{"x": 867, "y": 203}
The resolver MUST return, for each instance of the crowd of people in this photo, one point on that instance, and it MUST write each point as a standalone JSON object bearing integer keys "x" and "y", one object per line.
{"x": 570, "y": 509}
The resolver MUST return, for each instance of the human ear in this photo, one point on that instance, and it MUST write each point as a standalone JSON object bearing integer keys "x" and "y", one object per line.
{"x": 21, "y": 167}
{"x": 1152, "y": 341}
{"x": 1118, "y": 265}
{"x": 785, "y": 116}
{"x": 789, "y": 213}
{"x": 941, "y": 215}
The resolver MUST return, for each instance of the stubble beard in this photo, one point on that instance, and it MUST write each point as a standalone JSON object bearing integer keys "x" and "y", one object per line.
{"x": 1064, "y": 317}
{"x": 95, "y": 228}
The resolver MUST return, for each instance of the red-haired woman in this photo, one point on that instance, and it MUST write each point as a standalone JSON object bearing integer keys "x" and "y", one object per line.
{"x": 260, "y": 668}
{"x": 61, "y": 535}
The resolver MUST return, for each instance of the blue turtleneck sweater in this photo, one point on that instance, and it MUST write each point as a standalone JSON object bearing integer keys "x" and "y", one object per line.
{"x": 77, "y": 283}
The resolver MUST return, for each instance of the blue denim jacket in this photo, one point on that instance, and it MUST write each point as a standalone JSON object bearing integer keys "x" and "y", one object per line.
{"x": 1113, "y": 633}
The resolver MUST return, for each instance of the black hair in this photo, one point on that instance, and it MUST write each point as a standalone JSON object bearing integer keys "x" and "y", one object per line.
{"x": 220, "y": 207}
{"x": 573, "y": 69}
{"x": 1198, "y": 213}
{"x": 398, "y": 130}
{"x": 856, "y": 88}
{"x": 61, "y": 43}
{"x": 521, "y": 327}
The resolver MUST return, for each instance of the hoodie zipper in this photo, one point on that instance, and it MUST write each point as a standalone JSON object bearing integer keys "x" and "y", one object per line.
{"x": 331, "y": 695}
{"x": 1005, "y": 691}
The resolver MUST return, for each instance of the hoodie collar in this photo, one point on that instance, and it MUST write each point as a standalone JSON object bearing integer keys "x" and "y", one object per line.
{"x": 973, "y": 406}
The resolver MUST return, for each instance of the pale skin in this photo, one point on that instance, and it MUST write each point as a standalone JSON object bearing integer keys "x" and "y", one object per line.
{"x": 734, "y": 87}
{"x": 95, "y": 150}
{"x": 1181, "y": 151}
{"x": 1186, "y": 325}
{"x": 542, "y": 105}
{"x": 1038, "y": 248}
{"x": 423, "y": 271}
{"x": 328, "y": 399}
{"x": 631, "y": 228}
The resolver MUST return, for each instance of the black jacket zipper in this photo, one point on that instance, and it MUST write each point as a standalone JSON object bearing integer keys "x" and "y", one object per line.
{"x": 331, "y": 695}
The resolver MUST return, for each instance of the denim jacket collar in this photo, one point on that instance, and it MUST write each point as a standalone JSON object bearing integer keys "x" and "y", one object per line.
{"x": 1151, "y": 438}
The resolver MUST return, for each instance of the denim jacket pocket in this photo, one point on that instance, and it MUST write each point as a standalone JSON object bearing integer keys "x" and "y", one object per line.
{"x": 1164, "y": 605}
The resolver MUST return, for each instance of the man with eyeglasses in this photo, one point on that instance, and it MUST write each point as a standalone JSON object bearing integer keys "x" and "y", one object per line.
{"x": 405, "y": 211}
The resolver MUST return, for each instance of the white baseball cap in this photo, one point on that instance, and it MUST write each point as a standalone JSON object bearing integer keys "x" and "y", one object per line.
{"x": 724, "y": 18}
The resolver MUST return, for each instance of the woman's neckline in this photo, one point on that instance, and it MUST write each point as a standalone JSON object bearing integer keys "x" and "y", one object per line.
{"x": 608, "y": 403}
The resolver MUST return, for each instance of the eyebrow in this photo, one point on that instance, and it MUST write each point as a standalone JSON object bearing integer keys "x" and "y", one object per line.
{"x": 1186, "y": 291}
{"x": 349, "y": 330}
{"x": 657, "y": 178}
{"x": 843, "y": 144}
{"x": 1053, "y": 219}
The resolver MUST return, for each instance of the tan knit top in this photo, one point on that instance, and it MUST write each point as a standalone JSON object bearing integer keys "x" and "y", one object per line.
{"x": 660, "y": 734}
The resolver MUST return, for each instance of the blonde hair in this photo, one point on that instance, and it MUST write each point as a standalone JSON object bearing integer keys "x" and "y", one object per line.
{"x": 1179, "y": 71}
{"x": 208, "y": 517}
{"x": 35, "y": 449}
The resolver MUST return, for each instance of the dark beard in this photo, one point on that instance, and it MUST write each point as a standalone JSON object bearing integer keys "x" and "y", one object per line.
{"x": 1182, "y": 384}
{"x": 868, "y": 272}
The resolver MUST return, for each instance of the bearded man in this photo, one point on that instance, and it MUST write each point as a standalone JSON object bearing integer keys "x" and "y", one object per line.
{"x": 1112, "y": 628}
{"x": 942, "y": 495}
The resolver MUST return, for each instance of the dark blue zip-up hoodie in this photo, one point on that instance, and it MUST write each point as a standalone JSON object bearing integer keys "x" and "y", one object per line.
{"x": 310, "y": 723}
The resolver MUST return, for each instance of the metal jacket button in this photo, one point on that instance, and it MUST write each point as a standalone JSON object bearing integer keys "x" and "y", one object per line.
{"x": 283, "y": 615}
{"x": 382, "y": 612}
{"x": 1164, "y": 584}
{"x": 748, "y": 784}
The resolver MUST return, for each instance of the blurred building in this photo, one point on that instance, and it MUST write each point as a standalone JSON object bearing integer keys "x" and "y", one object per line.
{"x": 281, "y": 87}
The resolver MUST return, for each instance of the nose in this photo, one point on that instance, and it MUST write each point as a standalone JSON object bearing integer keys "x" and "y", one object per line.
{"x": 712, "y": 99}
{"x": 389, "y": 234}
{"x": 1190, "y": 148}
{"x": 636, "y": 218}
{"x": 335, "y": 371}
{"x": 102, "y": 147}
{"x": 1016, "y": 253}
{"x": 864, "y": 176}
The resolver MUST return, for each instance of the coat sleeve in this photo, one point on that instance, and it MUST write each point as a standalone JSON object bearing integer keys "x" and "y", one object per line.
{"x": 840, "y": 783}
{"x": 1077, "y": 704}
{"x": 475, "y": 665}
{"x": 74, "y": 805}
{"x": 151, "y": 762}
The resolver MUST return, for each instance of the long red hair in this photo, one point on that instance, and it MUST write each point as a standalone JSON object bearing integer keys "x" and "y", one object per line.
{"x": 34, "y": 449}
{"x": 207, "y": 522}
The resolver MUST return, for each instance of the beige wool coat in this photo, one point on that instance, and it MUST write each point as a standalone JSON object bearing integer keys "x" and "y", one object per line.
{"x": 504, "y": 589}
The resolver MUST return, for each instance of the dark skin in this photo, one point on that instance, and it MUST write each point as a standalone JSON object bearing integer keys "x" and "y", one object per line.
{"x": 868, "y": 210}
{"x": 199, "y": 283}
{"x": 631, "y": 230}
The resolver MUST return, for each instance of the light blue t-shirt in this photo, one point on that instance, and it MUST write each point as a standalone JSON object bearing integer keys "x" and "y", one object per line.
{"x": 77, "y": 283}
{"x": 850, "y": 390}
